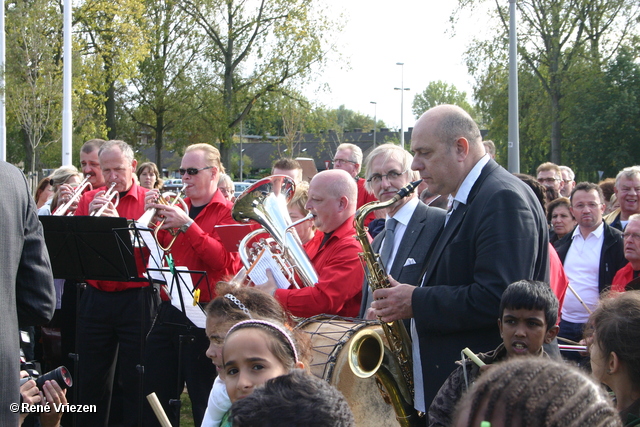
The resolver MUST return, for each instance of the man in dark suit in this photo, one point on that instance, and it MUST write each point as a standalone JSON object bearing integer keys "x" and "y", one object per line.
{"x": 495, "y": 234}
{"x": 415, "y": 225}
{"x": 28, "y": 296}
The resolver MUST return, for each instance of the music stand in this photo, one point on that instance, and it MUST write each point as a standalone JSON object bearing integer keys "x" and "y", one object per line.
{"x": 177, "y": 285}
{"x": 89, "y": 248}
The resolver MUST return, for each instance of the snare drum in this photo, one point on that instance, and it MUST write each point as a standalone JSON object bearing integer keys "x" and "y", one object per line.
{"x": 331, "y": 337}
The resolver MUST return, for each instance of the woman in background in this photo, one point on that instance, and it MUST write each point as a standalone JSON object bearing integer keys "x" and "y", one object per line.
{"x": 149, "y": 176}
{"x": 44, "y": 191}
{"x": 560, "y": 217}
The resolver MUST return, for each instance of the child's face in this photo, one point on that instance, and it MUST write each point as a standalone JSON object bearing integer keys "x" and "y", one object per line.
{"x": 524, "y": 331}
{"x": 216, "y": 330}
{"x": 248, "y": 362}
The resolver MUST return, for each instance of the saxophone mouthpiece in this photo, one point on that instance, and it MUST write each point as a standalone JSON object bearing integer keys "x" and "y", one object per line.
{"x": 408, "y": 189}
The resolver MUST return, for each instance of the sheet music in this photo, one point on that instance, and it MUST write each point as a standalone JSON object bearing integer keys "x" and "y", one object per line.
{"x": 258, "y": 271}
{"x": 156, "y": 254}
{"x": 184, "y": 285}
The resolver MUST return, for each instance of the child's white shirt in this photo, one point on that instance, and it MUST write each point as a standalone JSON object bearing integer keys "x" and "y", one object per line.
{"x": 218, "y": 404}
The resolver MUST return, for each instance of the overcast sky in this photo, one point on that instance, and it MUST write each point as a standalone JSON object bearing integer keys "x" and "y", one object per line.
{"x": 380, "y": 33}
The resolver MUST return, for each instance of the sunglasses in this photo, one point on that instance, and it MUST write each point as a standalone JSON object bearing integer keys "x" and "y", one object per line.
{"x": 193, "y": 171}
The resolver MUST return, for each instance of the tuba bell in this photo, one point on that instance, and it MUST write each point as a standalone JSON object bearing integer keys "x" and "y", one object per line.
{"x": 265, "y": 202}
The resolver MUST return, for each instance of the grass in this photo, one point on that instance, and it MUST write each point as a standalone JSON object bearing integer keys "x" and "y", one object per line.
{"x": 186, "y": 418}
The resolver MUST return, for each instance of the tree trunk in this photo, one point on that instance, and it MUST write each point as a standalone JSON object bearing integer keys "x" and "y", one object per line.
{"x": 159, "y": 137}
{"x": 110, "y": 109}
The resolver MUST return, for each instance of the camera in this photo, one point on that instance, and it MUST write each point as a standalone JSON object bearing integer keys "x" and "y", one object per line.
{"x": 61, "y": 375}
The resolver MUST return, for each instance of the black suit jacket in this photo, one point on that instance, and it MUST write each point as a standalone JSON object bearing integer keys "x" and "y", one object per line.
{"x": 611, "y": 257}
{"x": 420, "y": 234}
{"x": 500, "y": 236}
{"x": 27, "y": 296}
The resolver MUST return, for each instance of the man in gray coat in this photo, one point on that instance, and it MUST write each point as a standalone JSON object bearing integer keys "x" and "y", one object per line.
{"x": 27, "y": 293}
{"x": 410, "y": 227}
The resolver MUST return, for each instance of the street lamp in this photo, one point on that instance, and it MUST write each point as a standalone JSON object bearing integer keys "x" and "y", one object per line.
{"x": 375, "y": 121}
{"x": 401, "y": 89}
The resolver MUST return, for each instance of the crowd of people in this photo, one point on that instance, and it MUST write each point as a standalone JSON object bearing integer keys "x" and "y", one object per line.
{"x": 511, "y": 268}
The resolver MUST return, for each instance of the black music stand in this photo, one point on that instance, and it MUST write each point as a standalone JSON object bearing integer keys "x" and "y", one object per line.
{"x": 90, "y": 248}
{"x": 178, "y": 282}
{"x": 96, "y": 248}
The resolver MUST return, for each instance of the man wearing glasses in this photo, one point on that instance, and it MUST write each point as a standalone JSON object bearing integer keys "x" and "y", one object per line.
{"x": 550, "y": 176}
{"x": 410, "y": 226}
{"x": 349, "y": 158}
{"x": 199, "y": 248}
{"x": 630, "y": 271}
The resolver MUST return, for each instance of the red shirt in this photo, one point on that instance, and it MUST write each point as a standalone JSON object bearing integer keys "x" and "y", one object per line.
{"x": 365, "y": 197}
{"x": 200, "y": 248}
{"x": 340, "y": 276}
{"x": 557, "y": 278}
{"x": 622, "y": 278}
{"x": 131, "y": 206}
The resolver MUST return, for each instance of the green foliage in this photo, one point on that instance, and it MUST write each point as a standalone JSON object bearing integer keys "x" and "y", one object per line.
{"x": 253, "y": 49}
{"x": 563, "y": 47}
{"x": 438, "y": 93}
{"x": 33, "y": 78}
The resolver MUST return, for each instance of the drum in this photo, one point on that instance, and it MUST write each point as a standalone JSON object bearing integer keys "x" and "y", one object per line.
{"x": 331, "y": 338}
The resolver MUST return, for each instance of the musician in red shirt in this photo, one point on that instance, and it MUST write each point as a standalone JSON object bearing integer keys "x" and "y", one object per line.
{"x": 110, "y": 322}
{"x": 332, "y": 201}
{"x": 199, "y": 248}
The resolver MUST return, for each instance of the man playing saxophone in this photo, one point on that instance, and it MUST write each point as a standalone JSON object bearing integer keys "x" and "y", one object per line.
{"x": 332, "y": 201}
{"x": 109, "y": 319}
{"x": 199, "y": 248}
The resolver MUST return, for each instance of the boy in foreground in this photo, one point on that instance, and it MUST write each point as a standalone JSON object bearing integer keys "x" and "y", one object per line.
{"x": 528, "y": 315}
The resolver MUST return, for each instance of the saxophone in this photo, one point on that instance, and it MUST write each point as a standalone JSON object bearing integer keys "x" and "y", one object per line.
{"x": 399, "y": 389}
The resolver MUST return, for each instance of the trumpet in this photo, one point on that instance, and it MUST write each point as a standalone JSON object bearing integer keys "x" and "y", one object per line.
{"x": 109, "y": 194}
{"x": 147, "y": 218}
{"x": 75, "y": 197}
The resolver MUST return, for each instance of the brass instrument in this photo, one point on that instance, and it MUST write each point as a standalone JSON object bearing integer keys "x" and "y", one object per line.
{"x": 113, "y": 197}
{"x": 265, "y": 202}
{"x": 75, "y": 197}
{"x": 177, "y": 198}
{"x": 400, "y": 389}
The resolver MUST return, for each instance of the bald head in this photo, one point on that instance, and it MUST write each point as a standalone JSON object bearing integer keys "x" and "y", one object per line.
{"x": 332, "y": 198}
{"x": 447, "y": 145}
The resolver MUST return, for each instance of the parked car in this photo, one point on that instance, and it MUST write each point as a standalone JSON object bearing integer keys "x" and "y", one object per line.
{"x": 172, "y": 184}
{"x": 239, "y": 187}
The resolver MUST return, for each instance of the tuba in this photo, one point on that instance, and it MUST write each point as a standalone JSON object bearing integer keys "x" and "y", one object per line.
{"x": 265, "y": 202}
{"x": 399, "y": 381}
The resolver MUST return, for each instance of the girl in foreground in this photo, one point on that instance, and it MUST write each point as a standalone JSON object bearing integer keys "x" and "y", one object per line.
{"x": 232, "y": 306}
{"x": 256, "y": 351}
{"x": 615, "y": 351}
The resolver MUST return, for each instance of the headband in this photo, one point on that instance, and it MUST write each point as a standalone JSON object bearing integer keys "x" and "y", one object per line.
{"x": 274, "y": 326}
{"x": 238, "y": 304}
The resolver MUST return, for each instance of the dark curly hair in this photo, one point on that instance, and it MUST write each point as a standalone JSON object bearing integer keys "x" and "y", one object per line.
{"x": 537, "y": 392}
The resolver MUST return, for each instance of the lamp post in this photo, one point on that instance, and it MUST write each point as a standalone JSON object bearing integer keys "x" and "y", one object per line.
{"x": 401, "y": 89}
{"x": 375, "y": 121}
{"x": 514, "y": 133}
{"x": 241, "y": 150}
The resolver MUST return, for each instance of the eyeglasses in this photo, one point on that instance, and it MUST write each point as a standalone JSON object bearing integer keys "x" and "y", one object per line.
{"x": 548, "y": 180}
{"x": 376, "y": 177}
{"x": 193, "y": 171}
{"x": 342, "y": 161}
{"x": 634, "y": 236}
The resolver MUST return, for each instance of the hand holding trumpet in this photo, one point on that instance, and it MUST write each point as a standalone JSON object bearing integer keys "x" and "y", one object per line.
{"x": 173, "y": 214}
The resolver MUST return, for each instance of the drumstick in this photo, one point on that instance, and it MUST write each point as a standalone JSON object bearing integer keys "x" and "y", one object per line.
{"x": 579, "y": 299}
{"x": 157, "y": 409}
